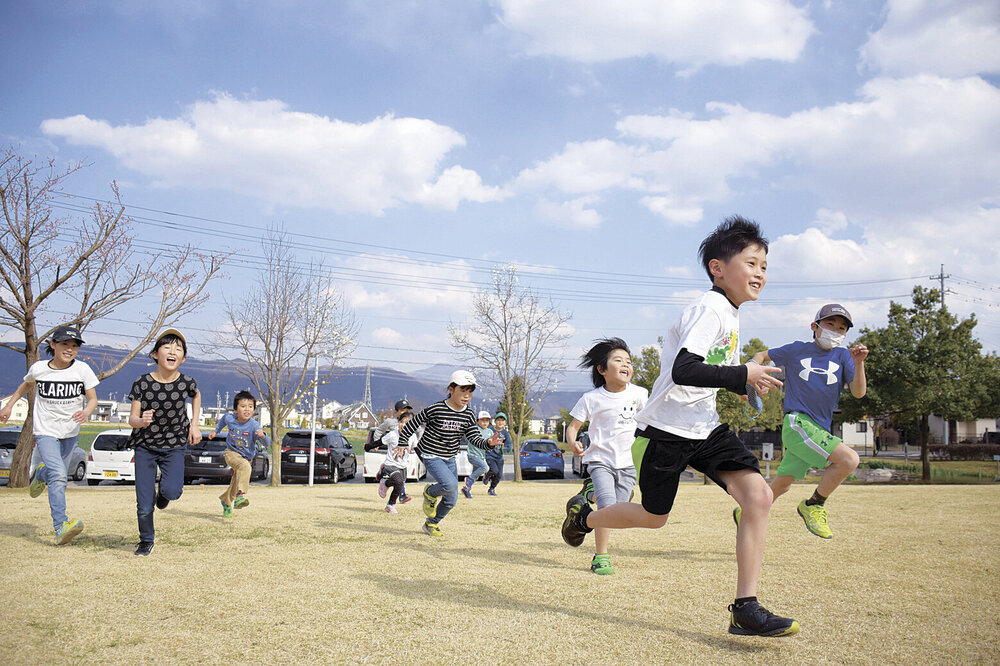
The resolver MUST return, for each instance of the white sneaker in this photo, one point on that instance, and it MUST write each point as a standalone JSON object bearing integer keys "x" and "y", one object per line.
{"x": 389, "y": 508}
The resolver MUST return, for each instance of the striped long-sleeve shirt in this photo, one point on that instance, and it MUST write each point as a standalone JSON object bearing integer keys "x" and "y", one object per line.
{"x": 443, "y": 430}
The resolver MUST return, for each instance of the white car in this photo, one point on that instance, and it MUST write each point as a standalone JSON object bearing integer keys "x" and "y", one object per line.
{"x": 374, "y": 459}
{"x": 109, "y": 459}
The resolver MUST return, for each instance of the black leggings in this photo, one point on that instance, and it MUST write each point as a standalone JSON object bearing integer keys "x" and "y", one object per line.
{"x": 495, "y": 474}
{"x": 394, "y": 478}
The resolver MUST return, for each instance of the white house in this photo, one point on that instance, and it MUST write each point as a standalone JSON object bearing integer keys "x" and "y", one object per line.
{"x": 356, "y": 415}
{"x": 862, "y": 434}
{"x": 19, "y": 412}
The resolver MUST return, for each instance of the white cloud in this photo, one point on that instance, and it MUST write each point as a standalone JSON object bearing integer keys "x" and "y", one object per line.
{"x": 572, "y": 214}
{"x": 690, "y": 34}
{"x": 673, "y": 211}
{"x": 387, "y": 336}
{"x": 946, "y": 37}
{"x": 264, "y": 150}
{"x": 398, "y": 285}
{"x": 829, "y": 221}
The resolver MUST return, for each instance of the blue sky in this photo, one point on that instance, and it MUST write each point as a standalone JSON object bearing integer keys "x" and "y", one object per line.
{"x": 414, "y": 145}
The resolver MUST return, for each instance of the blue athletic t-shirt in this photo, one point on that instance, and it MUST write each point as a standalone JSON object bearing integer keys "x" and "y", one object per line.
{"x": 814, "y": 378}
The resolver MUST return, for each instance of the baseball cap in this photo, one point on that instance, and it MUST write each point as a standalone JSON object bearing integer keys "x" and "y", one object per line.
{"x": 402, "y": 404}
{"x": 64, "y": 333}
{"x": 462, "y": 378}
{"x": 172, "y": 331}
{"x": 483, "y": 415}
{"x": 832, "y": 310}
{"x": 501, "y": 415}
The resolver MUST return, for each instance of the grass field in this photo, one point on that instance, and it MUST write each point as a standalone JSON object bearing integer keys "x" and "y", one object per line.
{"x": 323, "y": 575}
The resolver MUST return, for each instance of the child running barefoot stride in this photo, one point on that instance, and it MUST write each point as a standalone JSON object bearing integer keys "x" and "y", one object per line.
{"x": 161, "y": 431}
{"x": 815, "y": 374}
{"x": 62, "y": 383}
{"x": 392, "y": 474}
{"x": 611, "y": 408}
{"x": 243, "y": 431}
{"x": 445, "y": 423}
{"x": 679, "y": 426}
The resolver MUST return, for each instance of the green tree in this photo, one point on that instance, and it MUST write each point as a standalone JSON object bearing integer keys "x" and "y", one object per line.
{"x": 925, "y": 361}
{"x": 734, "y": 410}
{"x": 646, "y": 365}
{"x": 518, "y": 409}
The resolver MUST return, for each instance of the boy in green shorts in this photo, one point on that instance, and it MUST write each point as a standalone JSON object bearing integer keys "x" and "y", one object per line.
{"x": 815, "y": 374}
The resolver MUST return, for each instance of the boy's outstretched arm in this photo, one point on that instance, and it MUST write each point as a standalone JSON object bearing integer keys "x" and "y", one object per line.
{"x": 571, "y": 430}
{"x": 859, "y": 385}
{"x": 690, "y": 369}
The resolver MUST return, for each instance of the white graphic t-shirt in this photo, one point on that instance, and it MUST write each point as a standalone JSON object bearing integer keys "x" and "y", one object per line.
{"x": 61, "y": 394}
{"x": 612, "y": 423}
{"x": 710, "y": 328}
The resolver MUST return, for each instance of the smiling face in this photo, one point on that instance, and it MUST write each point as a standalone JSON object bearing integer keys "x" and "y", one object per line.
{"x": 618, "y": 371}
{"x": 64, "y": 352}
{"x": 743, "y": 276}
{"x": 169, "y": 356}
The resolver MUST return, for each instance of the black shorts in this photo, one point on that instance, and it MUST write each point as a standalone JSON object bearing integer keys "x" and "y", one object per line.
{"x": 660, "y": 459}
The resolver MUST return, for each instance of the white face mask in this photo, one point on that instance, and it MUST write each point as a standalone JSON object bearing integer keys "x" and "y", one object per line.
{"x": 827, "y": 339}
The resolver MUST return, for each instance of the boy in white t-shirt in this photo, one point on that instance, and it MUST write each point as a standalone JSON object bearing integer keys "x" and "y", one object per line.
{"x": 611, "y": 408}
{"x": 66, "y": 397}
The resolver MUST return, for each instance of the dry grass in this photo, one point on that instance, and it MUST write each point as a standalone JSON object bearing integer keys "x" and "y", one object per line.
{"x": 323, "y": 575}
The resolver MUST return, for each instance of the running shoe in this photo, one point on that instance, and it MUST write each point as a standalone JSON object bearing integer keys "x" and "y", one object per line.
{"x": 572, "y": 533}
{"x": 240, "y": 502}
{"x": 737, "y": 514}
{"x": 486, "y": 478}
{"x": 37, "y": 482}
{"x": 144, "y": 548}
{"x": 403, "y": 499}
{"x": 430, "y": 503}
{"x": 161, "y": 501}
{"x": 601, "y": 565}
{"x": 68, "y": 530}
{"x": 815, "y": 519}
{"x": 588, "y": 490}
{"x": 227, "y": 510}
{"x": 752, "y": 619}
{"x": 492, "y": 491}
{"x": 382, "y": 489}
{"x": 466, "y": 492}
{"x": 390, "y": 509}
{"x": 432, "y": 529}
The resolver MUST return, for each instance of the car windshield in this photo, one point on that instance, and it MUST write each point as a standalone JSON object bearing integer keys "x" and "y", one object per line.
{"x": 8, "y": 439}
{"x": 541, "y": 447}
{"x": 302, "y": 439}
{"x": 217, "y": 444}
{"x": 110, "y": 442}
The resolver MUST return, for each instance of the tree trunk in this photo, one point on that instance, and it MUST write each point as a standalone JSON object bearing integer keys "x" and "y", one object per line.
{"x": 20, "y": 462}
{"x": 275, "y": 449}
{"x": 925, "y": 458}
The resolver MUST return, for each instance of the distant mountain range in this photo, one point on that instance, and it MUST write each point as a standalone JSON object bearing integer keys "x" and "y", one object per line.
{"x": 218, "y": 379}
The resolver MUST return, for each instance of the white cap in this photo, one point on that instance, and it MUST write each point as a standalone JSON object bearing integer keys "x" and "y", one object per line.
{"x": 483, "y": 415}
{"x": 462, "y": 378}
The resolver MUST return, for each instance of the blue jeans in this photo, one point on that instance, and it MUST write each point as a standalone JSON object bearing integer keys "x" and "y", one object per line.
{"x": 55, "y": 454}
{"x": 171, "y": 464}
{"x": 496, "y": 470}
{"x": 445, "y": 472}
{"x": 478, "y": 467}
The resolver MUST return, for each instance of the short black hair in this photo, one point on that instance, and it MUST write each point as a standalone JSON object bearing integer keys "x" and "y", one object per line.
{"x": 597, "y": 358}
{"x": 166, "y": 340}
{"x": 734, "y": 234}
{"x": 244, "y": 395}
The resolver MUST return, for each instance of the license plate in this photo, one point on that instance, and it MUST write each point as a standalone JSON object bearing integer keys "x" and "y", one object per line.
{"x": 541, "y": 469}
{"x": 300, "y": 459}
{"x": 5, "y": 473}
{"x": 204, "y": 459}
{"x": 110, "y": 473}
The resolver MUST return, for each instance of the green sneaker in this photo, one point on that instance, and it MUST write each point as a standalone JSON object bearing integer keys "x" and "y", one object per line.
{"x": 240, "y": 502}
{"x": 737, "y": 514}
{"x": 588, "y": 490}
{"x": 430, "y": 504}
{"x": 601, "y": 565}
{"x": 227, "y": 510}
{"x": 815, "y": 519}
{"x": 37, "y": 482}
{"x": 432, "y": 529}
{"x": 68, "y": 530}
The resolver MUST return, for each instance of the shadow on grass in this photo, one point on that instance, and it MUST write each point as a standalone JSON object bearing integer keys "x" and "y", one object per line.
{"x": 22, "y": 531}
{"x": 432, "y": 593}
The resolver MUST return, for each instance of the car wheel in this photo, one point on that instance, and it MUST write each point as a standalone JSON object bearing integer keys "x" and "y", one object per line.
{"x": 354, "y": 470}
{"x": 81, "y": 472}
{"x": 93, "y": 482}
{"x": 335, "y": 477}
{"x": 264, "y": 471}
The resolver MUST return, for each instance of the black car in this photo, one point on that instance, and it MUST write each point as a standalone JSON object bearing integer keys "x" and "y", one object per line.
{"x": 207, "y": 460}
{"x": 335, "y": 458}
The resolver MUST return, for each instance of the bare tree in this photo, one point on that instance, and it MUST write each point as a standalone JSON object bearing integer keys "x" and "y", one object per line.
{"x": 87, "y": 266}
{"x": 289, "y": 320}
{"x": 512, "y": 336}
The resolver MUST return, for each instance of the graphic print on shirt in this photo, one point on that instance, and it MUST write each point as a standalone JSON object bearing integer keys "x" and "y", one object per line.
{"x": 59, "y": 390}
{"x": 627, "y": 415}
{"x": 830, "y": 371}
{"x": 720, "y": 355}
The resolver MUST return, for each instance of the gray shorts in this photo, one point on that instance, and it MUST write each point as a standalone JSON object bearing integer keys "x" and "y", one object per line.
{"x": 611, "y": 485}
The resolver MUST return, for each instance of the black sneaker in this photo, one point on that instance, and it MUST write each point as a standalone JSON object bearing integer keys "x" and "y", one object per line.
{"x": 752, "y": 619}
{"x": 161, "y": 501}
{"x": 588, "y": 490}
{"x": 572, "y": 533}
{"x": 145, "y": 548}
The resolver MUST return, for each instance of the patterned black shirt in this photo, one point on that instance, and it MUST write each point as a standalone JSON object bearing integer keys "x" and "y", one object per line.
{"x": 169, "y": 429}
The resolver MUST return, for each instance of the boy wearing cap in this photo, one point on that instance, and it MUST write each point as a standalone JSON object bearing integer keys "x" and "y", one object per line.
{"x": 494, "y": 457}
{"x": 66, "y": 396}
{"x": 477, "y": 455}
{"x": 815, "y": 374}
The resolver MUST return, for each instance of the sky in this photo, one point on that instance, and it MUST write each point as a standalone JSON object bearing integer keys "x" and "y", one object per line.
{"x": 414, "y": 147}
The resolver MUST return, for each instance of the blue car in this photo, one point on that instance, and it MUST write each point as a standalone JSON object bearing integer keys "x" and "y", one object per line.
{"x": 541, "y": 457}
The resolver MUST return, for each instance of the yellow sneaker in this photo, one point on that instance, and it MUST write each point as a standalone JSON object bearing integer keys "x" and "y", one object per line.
{"x": 430, "y": 504}
{"x": 432, "y": 529}
{"x": 815, "y": 519}
{"x": 68, "y": 530}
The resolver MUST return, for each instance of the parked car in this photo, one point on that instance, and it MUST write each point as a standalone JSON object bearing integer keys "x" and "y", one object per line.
{"x": 207, "y": 460}
{"x": 580, "y": 467}
{"x": 374, "y": 459}
{"x": 541, "y": 456}
{"x": 75, "y": 470}
{"x": 335, "y": 458}
{"x": 109, "y": 459}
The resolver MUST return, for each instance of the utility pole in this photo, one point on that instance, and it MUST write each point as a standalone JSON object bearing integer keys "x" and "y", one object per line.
{"x": 941, "y": 278}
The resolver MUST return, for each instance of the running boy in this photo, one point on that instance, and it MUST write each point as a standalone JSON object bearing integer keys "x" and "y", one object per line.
{"x": 243, "y": 432}
{"x": 62, "y": 384}
{"x": 401, "y": 407}
{"x": 494, "y": 457}
{"x": 397, "y": 461}
{"x": 161, "y": 431}
{"x": 477, "y": 456}
{"x": 815, "y": 374}
{"x": 611, "y": 408}
{"x": 445, "y": 422}
{"x": 679, "y": 426}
